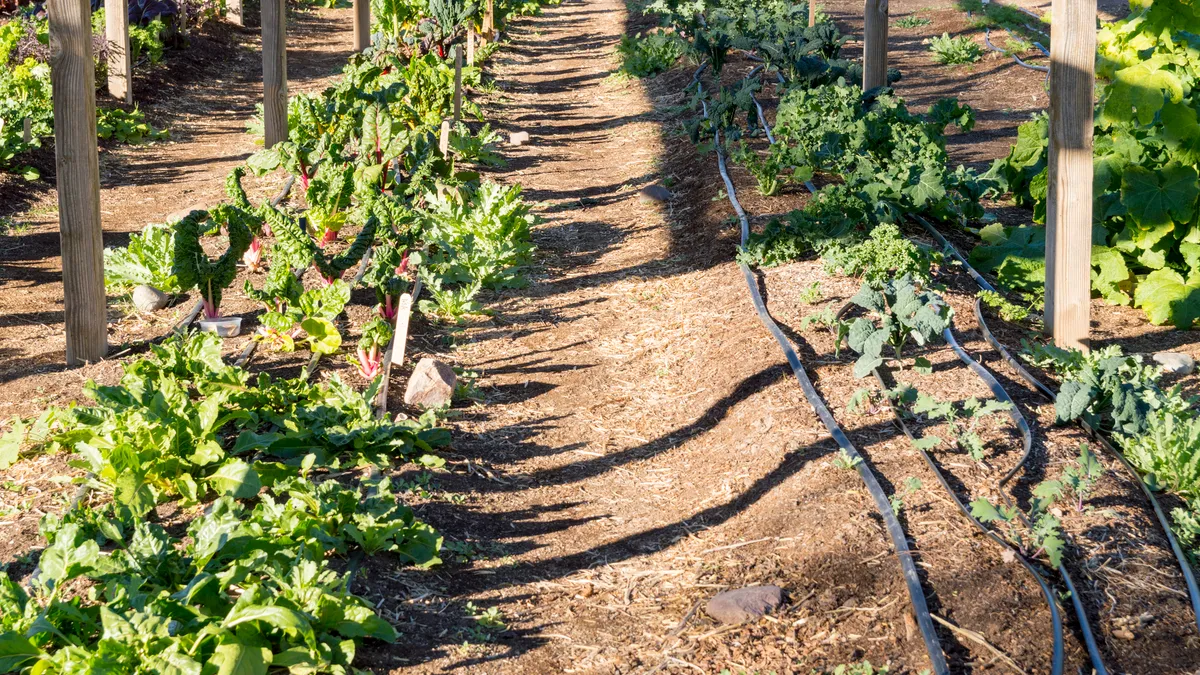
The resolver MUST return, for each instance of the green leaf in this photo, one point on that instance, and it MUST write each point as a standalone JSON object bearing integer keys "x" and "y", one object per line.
{"x": 16, "y": 651}
{"x": 1110, "y": 275}
{"x": 237, "y": 479}
{"x": 985, "y": 512}
{"x": 1160, "y": 197}
{"x": 1072, "y": 400}
{"x": 1165, "y": 296}
{"x": 323, "y": 336}
{"x": 922, "y": 365}
{"x": 927, "y": 443}
{"x": 10, "y": 443}
{"x": 234, "y": 658}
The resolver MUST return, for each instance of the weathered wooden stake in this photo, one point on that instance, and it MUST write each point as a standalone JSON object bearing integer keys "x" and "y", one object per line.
{"x": 275, "y": 88}
{"x": 120, "y": 61}
{"x": 362, "y": 24}
{"x": 470, "y": 45}
{"x": 1069, "y": 202}
{"x": 812, "y": 12}
{"x": 26, "y": 131}
{"x": 875, "y": 37}
{"x": 444, "y": 139}
{"x": 234, "y": 12}
{"x": 73, "y": 77}
{"x": 489, "y": 22}
{"x": 458, "y": 63}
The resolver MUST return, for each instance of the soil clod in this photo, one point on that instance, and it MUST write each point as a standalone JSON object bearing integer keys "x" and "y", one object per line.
{"x": 744, "y": 604}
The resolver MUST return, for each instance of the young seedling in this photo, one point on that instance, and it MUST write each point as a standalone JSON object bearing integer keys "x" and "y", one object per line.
{"x": 845, "y": 460}
{"x": 911, "y": 485}
{"x": 963, "y": 421}
{"x": 812, "y": 294}
{"x": 1080, "y": 477}
{"x": 1042, "y": 534}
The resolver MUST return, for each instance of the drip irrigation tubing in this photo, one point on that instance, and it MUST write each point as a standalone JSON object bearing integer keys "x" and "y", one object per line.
{"x": 1027, "y": 447}
{"x": 1184, "y": 566}
{"x": 896, "y": 533}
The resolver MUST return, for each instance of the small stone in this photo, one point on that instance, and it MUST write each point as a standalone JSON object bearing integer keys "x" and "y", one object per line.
{"x": 587, "y": 591}
{"x": 1123, "y": 634}
{"x": 518, "y": 138}
{"x": 654, "y": 194}
{"x": 431, "y": 385}
{"x": 1175, "y": 363}
{"x": 149, "y": 299}
{"x": 744, "y": 604}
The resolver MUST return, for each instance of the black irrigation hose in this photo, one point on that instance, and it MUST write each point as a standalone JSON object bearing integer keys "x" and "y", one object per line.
{"x": 895, "y": 532}
{"x": 1056, "y": 661}
{"x": 1184, "y": 566}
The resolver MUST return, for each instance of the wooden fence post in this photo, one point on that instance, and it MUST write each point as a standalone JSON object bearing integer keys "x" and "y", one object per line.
{"x": 812, "y": 12}
{"x": 362, "y": 24}
{"x": 120, "y": 62}
{"x": 73, "y": 77}
{"x": 275, "y": 89}
{"x": 235, "y": 13}
{"x": 489, "y": 22}
{"x": 444, "y": 137}
{"x": 458, "y": 63}
{"x": 875, "y": 37}
{"x": 1069, "y": 202}
{"x": 470, "y": 45}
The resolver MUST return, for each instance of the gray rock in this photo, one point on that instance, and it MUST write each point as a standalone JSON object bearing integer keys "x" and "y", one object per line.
{"x": 149, "y": 298}
{"x": 744, "y": 604}
{"x": 1175, "y": 363}
{"x": 431, "y": 385}
{"x": 518, "y": 138}
{"x": 654, "y": 194}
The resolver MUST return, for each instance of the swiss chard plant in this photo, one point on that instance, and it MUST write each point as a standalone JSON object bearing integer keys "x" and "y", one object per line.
{"x": 146, "y": 260}
{"x": 376, "y": 336}
{"x": 193, "y": 268}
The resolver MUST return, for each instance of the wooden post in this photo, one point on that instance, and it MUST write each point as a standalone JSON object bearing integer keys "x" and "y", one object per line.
{"x": 275, "y": 89}
{"x": 234, "y": 13}
{"x": 120, "y": 63}
{"x": 362, "y": 24}
{"x": 875, "y": 37}
{"x": 73, "y": 77}
{"x": 812, "y": 12}
{"x": 458, "y": 63}
{"x": 444, "y": 138}
{"x": 1069, "y": 202}
{"x": 489, "y": 22}
{"x": 470, "y": 45}
{"x": 26, "y": 131}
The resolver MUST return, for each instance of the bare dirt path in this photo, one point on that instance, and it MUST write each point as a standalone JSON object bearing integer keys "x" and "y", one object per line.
{"x": 641, "y": 444}
{"x": 204, "y": 95}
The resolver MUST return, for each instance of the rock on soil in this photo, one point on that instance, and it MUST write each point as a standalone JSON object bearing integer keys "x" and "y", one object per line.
{"x": 744, "y": 604}
{"x": 518, "y": 138}
{"x": 654, "y": 194}
{"x": 431, "y": 385}
{"x": 1175, "y": 363}
{"x": 149, "y": 299}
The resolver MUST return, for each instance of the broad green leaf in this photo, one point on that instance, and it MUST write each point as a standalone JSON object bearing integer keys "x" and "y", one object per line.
{"x": 984, "y": 511}
{"x": 1165, "y": 296}
{"x": 234, "y": 658}
{"x": 16, "y": 651}
{"x": 237, "y": 479}
{"x": 10, "y": 443}
{"x": 1160, "y": 197}
{"x": 323, "y": 336}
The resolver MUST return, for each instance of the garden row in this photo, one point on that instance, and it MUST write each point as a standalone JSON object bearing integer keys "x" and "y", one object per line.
{"x": 884, "y": 167}
{"x": 218, "y": 506}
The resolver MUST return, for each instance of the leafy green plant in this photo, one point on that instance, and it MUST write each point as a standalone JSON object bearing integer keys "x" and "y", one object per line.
{"x": 772, "y": 170}
{"x": 148, "y": 259}
{"x": 1009, "y": 311}
{"x": 911, "y": 21}
{"x": 911, "y": 485}
{"x": 127, "y": 127}
{"x": 648, "y": 55}
{"x": 846, "y": 461}
{"x": 308, "y": 317}
{"x": 376, "y": 336}
{"x": 194, "y": 269}
{"x": 963, "y": 421}
{"x": 955, "y": 50}
{"x": 812, "y": 294}
{"x": 147, "y": 40}
{"x": 897, "y": 312}
{"x": 1080, "y": 477}
{"x": 1037, "y": 534}
{"x": 886, "y": 254}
